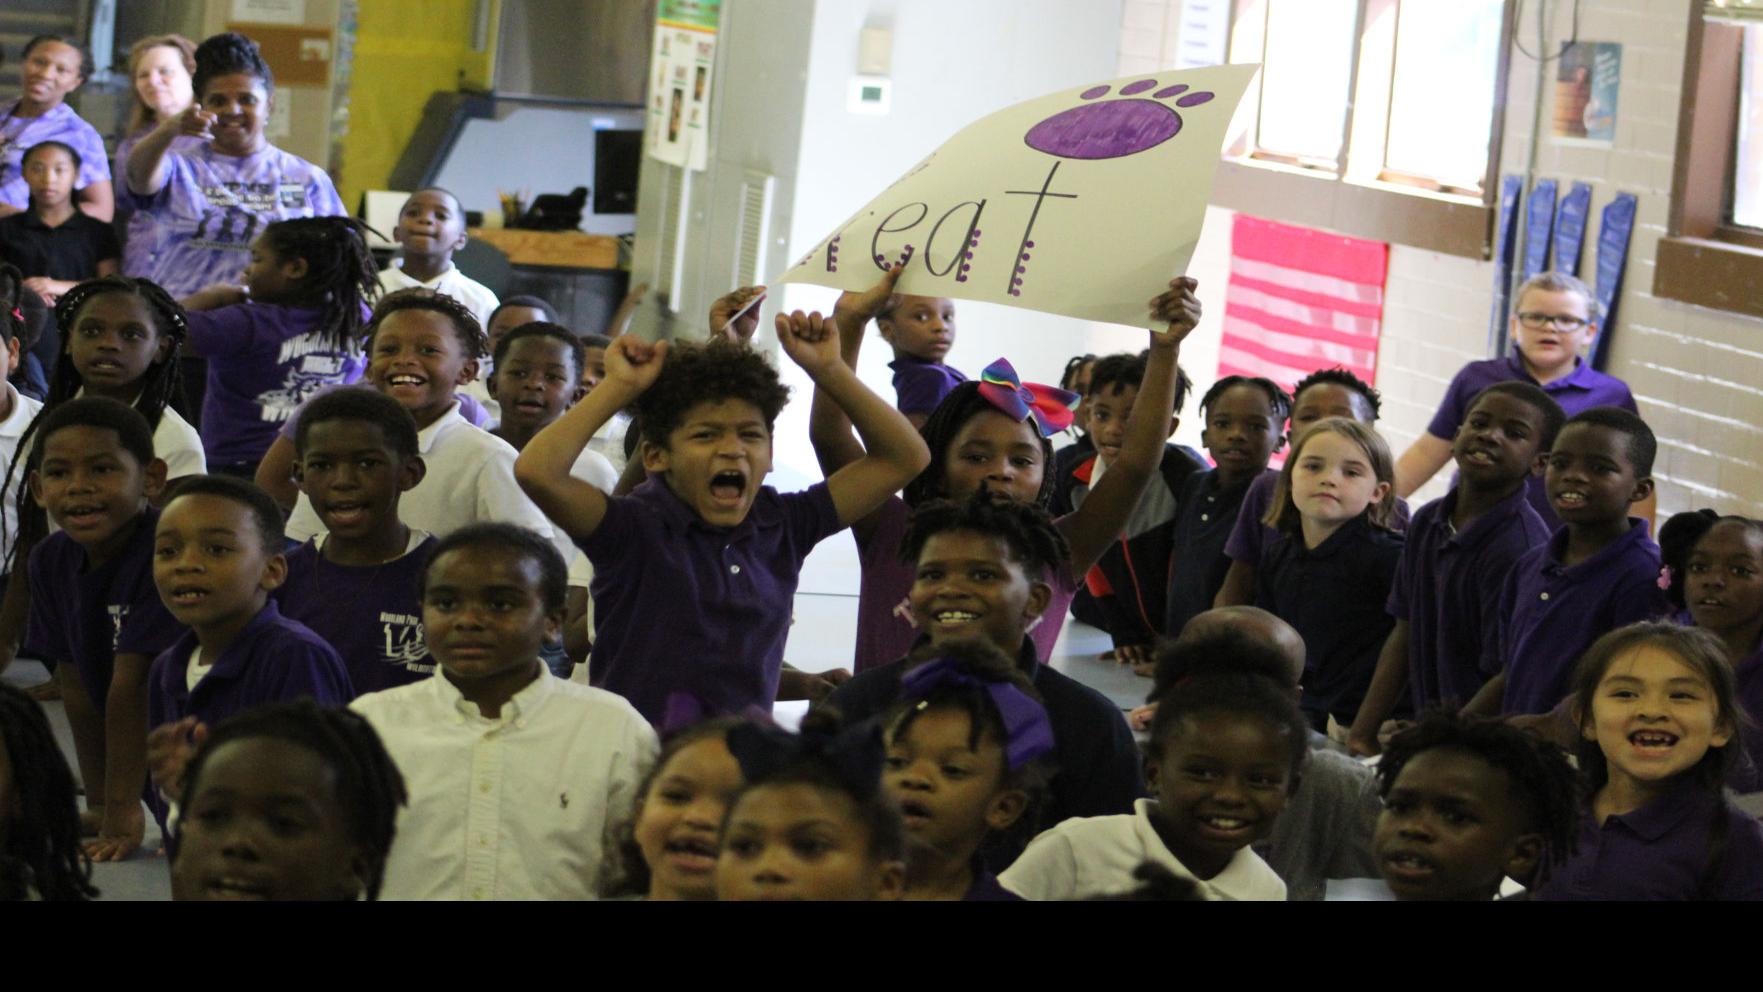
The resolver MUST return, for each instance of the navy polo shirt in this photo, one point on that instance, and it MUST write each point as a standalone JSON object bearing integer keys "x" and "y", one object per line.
{"x": 70, "y": 250}
{"x": 1662, "y": 851}
{"x": 1448, "y": 587}
{"x": 1551, "y": 612}
{"x": 1334, "y": 594}
{"x": 273, "y": 660}
{"x": 1098, "y": 771}
{"x": 681, "y": 604}
{"x": 1205, "y": 518}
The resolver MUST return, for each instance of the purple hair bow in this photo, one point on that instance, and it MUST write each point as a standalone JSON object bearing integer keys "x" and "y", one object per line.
{"x": 1048, "y": 406}
{"x": 1027, "y": 732}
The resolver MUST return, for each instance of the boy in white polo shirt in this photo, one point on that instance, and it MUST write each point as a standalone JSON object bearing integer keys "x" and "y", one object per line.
{"x": 431, "y": 227}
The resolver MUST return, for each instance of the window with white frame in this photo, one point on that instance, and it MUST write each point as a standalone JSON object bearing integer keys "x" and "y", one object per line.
{"x": 1395, "y": 91}
{"x": 1747, "y": 173}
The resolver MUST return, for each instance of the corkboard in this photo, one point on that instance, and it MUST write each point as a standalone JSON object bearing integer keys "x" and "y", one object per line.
{"x": 298, "y": 55}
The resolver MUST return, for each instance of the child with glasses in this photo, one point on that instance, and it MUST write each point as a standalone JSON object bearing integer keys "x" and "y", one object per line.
{"x": 1553, "y": 324}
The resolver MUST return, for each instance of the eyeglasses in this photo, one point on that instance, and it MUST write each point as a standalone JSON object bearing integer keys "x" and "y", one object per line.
{"x": 1538, "y": 321}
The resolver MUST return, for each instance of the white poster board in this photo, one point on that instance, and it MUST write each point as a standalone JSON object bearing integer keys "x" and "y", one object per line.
{"x": 1084, "y": 202}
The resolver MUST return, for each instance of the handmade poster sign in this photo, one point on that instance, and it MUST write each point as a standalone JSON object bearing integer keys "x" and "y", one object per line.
{"x": 1084, "y": 202}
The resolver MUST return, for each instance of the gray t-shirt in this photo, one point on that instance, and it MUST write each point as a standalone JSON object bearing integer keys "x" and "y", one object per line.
{"x": 1325, "y": 830}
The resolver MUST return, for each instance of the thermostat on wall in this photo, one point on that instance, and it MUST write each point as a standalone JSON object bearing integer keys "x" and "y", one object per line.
{"x": 869, "y": 95}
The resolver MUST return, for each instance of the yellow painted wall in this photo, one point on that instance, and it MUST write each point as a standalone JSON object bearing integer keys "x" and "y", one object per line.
{"x": 405, "y": 51}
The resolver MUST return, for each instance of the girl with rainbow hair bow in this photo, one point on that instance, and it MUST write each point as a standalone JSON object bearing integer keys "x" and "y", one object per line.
{"x": 994, "y": 434}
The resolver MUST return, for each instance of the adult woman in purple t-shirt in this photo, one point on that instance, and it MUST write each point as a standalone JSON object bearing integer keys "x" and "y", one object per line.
{"x": 53, "y": 67}
{"x": 211, "y": 202}
{"x": 161, "y": 68}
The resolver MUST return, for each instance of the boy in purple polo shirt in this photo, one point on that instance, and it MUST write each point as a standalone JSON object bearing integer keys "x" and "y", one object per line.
{"x": 94, "y": 611}
{"x": 1446, "y": 596}
{"x": 1556, "y": 318}
{"x": 355, "y": 585}
{"x": 216, "y": 559}
{"x": 695, "y": 571}
{"x": 1598, "y": 573}
{"x": 921, "y": 330}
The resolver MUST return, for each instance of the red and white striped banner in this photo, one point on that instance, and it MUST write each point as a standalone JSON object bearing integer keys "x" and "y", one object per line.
{"x": 1301, "y": 300}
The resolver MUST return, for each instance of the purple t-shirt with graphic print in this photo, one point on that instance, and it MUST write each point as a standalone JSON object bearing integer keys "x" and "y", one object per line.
{"x": 213, "y": 206}
{"x": 18, "y": 134}
{"x": 140, "y": 238}
{"x": 264, "y": 360}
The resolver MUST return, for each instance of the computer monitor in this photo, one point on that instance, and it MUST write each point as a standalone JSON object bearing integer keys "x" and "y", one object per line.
{"x": 618, "y": 158}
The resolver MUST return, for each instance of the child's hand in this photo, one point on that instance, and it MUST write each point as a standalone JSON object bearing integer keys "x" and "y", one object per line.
{"x": 633, "y": 364}
{"x": 169, "y": 750}
{"x": 731, "y": 303}
{"x": 865, "y": 305}
{"x": 1136, "y": 655}
{"x": 1179, "y": 308}
{"x": 49, "y": 289}
{"x": 196, "y": 123}
{"x": 810, "y": 340}
{"x": 1140, "y": 719}
{"x": 125, "y": 826}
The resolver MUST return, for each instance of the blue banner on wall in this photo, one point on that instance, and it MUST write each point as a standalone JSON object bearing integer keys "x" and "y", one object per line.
{"x": 1539, "y": 219}
{"x": 1570, "y": 219}
{"x": 1613, "y": 231}
{"x": 1505, "y": 237}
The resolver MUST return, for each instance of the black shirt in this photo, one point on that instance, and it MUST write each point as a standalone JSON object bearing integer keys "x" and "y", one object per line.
{"x": 1207, "y": 515}
{"x": 70, "y": 251}
{"x": 1335, "y": 595}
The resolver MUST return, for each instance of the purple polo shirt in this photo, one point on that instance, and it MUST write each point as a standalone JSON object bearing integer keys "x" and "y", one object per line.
{"x": 60, "y": 123}
{"x": 1448, "y": 587}
{"x": 920, "y": 385}
{"x": 88, "y": 616}
{"x": 264, "y": 360}
{"x": 213, "y": 206}
{"x": 1334, "y": 596}
{"x": 1206, "y": 520}
{"x": 369, "y": 613}
{"x": 680, "y": 604}
{"x": 1577, "y": 392}
{"x": 1660, "y": 853}
{"x": 140, "y": 237}
{"x": 470, "y": 409}
{"x": 1249, "y": 535}
{"x": 273, "y": 660}
{"x": 884, "y": 613}
{"x": 1551, "y": 613}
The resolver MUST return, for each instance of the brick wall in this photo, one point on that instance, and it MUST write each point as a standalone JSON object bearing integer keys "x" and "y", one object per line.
{"x": 1697, "y": 373}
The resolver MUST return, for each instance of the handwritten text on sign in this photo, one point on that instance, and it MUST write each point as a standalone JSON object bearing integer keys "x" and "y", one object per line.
{"x": 1083, "y": 202}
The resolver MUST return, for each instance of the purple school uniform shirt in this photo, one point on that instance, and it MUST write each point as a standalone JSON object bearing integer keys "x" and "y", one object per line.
{"x": 680, "y": 604}
{"x": 885, "y": 632}
{"x": 470, "y": 409}
{"x": 264, "y": 360}
{"x": 920, "y": 385}
{"x": 213, "y": 206}
{"x": 19, "y": 134}
{"x": 1551, "y": 612}
{"x": 140, "y": 239}
{"x": 87, "y": 616}
{"x": 273, "y": 660}
{"x": 1577, "y": 392}
{"x": 369, "y": 613}
{"x": 1661, "y": 852}
{"x": 1448, "y": 587}
{"x": 1249, "y": 536}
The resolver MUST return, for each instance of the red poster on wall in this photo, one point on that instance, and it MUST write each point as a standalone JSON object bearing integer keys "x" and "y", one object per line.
{"x": 1301, "y": 300}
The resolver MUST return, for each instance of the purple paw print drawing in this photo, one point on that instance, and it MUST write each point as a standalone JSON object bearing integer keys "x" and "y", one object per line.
{"x": 1114, "y": 128}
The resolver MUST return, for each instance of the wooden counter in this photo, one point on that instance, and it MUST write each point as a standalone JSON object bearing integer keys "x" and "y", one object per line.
{"x": 556, "y": 249}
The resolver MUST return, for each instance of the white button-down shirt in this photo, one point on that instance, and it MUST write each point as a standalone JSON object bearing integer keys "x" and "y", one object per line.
{"x": 477, "y": 297}
{"x": 470, "y": 479}
{"x": 524, "y": 806}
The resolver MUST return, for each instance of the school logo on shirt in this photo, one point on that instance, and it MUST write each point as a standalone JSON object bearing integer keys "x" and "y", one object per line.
{"x": 229, "y": 227}
{"x": 118, "y": 612}
{"x": 311, "y": 362}
{"x": 292, "y": 196}
{"x": 404, "y": 641}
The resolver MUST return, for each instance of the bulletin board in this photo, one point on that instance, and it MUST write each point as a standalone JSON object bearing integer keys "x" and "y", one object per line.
{"x": 299, "y": 55}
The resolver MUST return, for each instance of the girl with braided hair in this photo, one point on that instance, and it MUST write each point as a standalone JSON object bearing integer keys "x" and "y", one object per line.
{"x": 40, "y": 853}
{"x": 293, "y": 328}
